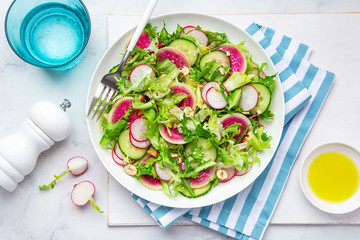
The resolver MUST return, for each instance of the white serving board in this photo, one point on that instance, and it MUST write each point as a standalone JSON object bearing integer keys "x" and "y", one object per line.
{"x": 334, "y": 38}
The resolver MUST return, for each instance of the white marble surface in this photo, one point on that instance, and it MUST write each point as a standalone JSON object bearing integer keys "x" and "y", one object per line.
{"x": 28, "y": 213}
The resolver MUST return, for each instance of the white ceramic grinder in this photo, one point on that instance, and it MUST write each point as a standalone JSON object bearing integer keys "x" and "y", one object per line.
{"x": 47, "y": 123}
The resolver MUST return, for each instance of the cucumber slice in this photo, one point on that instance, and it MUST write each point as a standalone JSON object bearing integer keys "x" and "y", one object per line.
{"x": 128, "y": 149}
{"x": 264, "y": 98}
{"x": 188, "y": 47}
{"x": 198, "y": 192}
{"x": 209, "y": 151}
{"x": 217, "y": 56}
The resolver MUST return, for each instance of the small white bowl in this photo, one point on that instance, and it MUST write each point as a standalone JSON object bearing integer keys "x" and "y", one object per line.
{"x": 346, "y": 206}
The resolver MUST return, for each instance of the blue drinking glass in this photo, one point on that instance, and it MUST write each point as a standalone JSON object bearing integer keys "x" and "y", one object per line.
{"x": 48, "y": 33}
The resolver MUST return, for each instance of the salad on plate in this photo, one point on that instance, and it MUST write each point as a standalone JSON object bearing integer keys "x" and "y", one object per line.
{"x": 189, "y": 111}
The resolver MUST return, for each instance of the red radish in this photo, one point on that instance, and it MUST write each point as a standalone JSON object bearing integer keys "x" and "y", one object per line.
{"x": 140, "y": 72}
{"x": 174, "y": 55}
{"x": 150, "y": 182}
{"x": 143, "y": 160}
{"x": 140, "y": 145}
{"x": 237, "y": 58}
{"x": 119, "y": 109}
{"x": 77, "y": 165}
{"x": 231, "y": 171}
{"x": 82, "y": 193}
{"x": 117, "y": 155}
{"x": 206, "y": 87}
{"x": 230, "y": 119}
{"x": 215, "y": 99}
{"x": 249, "y": 98}
{"x": 163, "y": 174}
{"x": 244, "y": 171}
{"x": 203, "y": 178}
{"x": 171, "y": 136}
{"x": 138, "y": 128}
{"x": 199, "y": 35}
{"x": 187, "y": 29}
{"x": 190, "y": 101}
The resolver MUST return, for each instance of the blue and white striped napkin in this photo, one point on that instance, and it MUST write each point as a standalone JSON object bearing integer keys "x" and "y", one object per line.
{"x": 247, "y": 214}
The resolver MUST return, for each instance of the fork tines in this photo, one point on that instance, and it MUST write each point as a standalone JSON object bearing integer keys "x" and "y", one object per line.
{"x": 106, "y": 95}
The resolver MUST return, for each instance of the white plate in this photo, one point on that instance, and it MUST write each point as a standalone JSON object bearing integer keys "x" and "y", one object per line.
{"x": 223, "y": 190}
{"x": 346, "y": 206}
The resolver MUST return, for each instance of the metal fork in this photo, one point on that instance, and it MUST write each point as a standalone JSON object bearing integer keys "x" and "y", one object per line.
{"x": 107, "y": 88}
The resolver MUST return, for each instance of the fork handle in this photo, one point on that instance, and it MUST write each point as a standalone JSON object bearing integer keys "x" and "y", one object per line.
{"x": 145, "y": 18}
{"x": 138, "y": 31}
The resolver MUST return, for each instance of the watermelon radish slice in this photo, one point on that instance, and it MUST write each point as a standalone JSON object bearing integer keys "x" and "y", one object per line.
{"x": 245, "y": 171}
{"x": 203, "y": 178}
{"x": 163, "y": 174}
{"x": 174, "y": 55}
{"x": 140, "y": 72}
{"x": 119, "y": 109}
{"x": 190, "y": 101}
{"x": 138, "y": 128}
{"x": 206, "y": 87}
{"x": 237, "y": 58}
{"x": 199, "y": 35}
{"x": 174, "y": 136}
{"x": 215, "y": 99}
{"x": 249, "y": 98}
{"x": 150, "y": 182}
{"x": 230, "y": 119}
{"x": 144, "y": 41}
{"x": 231, "y": 171}
{"x": 140, "y": 145}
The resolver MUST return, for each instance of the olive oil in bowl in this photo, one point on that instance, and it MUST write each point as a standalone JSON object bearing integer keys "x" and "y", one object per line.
{"x": 330, "y": 178}
{"x": 333, "y": 176}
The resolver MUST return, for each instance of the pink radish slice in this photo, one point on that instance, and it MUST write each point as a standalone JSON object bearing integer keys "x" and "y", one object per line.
{"x": 231, "y": 171}
{"x": 163, "y": 174}
{"x": 140, "y": 145}
{"x": 206, "y": 87}
{"x": 174, "y": 55}
{"x": 183, "y": 88}
{"x": 138, "y": 128}
{"x": 249, "y": 98}
{"x": 82, "y": 192}
{"x": 150, "y": 182}
{"x": 118, "y": 156}
{"x": 230, "y": 119}
{"x": 244, "y": 171}
{"x": 143, "y": 160}
{"x": 77, "y": 165}
{"x": 200, "y": 36}
{"x": 215, "y": 99}
{"x": 203, "y": 178}
{"x": 174, "y": 136}
{"x": 141, "y": 71}
{"x": 187, "y": 29}
{"x": 119, "y": 109}
{"x": 237, "y": 58}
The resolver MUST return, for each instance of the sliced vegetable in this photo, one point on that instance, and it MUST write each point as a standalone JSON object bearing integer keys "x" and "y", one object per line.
{"x": 187, "y": 47}
{"x": 204, "y": 147}
{"x": 249, "y": 98}
{"x": 203, "y": 178}
{"x": 171, "y": 135}
{"x": 163, "y": 173}
{"x": 174, "y": 55}
{"x": 190, "y": 101}
{"x": 140, "y": 145}
{"x": 82, "y": 193}
{"x": 215, "y": 99}
{"x": 264, "y": 98}
{"x": 140, "y": 73}
{"x": 119, "y": 109}
{"x": 150, "y": 182}
{"x": 138, "y": 128}
{"x": 198, "y": 192}
{"x": 230, "y": 119}
{"x": 217, "y": 56}
{"x": 127, "y": 148}
{"x": 199, "y": 35}
{"x": 206, "y": 87}
{"x": 237, "y": 58}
